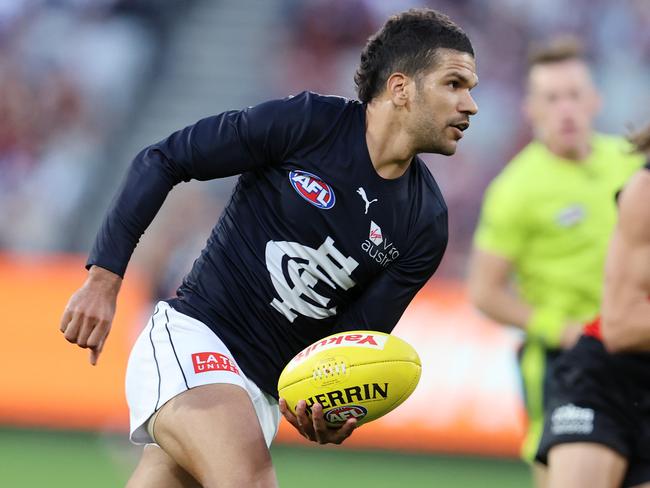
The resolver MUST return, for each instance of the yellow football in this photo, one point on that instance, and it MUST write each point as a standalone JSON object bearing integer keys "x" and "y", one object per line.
{"x": 361, "y": 373}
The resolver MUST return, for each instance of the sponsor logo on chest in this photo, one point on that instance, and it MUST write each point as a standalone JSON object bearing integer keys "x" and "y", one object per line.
{"x": 381, "y": 249}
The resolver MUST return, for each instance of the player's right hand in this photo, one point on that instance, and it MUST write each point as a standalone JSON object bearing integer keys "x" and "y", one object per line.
{"x": 315, "y": 428}
{"x": 89, "y": 314}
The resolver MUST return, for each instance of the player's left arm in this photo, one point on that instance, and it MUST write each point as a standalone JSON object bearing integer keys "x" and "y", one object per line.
{"x": 626, "y": 304}
{"x": 314, "y": 427}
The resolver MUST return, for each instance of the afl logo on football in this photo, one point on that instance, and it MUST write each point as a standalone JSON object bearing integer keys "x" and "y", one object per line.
{"x": 339, "y": 415}
{"x": 313, "y": 189}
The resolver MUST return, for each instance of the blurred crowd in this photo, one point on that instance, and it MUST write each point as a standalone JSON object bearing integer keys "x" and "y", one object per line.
{"x": 69, "y": 73}
{"x": 72, "y": 72}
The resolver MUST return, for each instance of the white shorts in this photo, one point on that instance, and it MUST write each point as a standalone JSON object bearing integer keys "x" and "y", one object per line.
{"x": 174, "y": 353}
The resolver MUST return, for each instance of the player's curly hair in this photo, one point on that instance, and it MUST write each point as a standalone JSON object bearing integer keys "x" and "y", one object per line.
{"x": 407, "y": 43}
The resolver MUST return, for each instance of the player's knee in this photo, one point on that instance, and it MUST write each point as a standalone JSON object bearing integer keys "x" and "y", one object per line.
{"x": 156, "y": 468}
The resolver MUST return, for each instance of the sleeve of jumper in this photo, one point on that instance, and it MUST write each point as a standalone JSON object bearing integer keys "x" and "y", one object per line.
{"x": 382, "y": 304}
{"x": 215, "y": 147}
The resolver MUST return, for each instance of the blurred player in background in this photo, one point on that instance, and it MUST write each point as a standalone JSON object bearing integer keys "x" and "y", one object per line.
{"x": 597, "y": 430}
{"x": 546, "y": 220}
{"x": 335, "y": 224}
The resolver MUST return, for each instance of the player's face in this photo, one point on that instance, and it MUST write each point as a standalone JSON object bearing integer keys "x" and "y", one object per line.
{"x": 443, "y": 103}
{"x": 562, "y": 103}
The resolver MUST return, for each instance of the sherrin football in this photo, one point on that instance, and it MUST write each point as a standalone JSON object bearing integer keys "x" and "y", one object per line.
{"x": 361, "y": 373}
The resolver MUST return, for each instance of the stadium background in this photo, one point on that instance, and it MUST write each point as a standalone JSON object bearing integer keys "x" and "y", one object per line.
{"x": 84, "y": 84}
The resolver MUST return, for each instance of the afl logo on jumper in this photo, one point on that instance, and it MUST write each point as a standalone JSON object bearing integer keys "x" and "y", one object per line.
{"x": 313, "y": 189}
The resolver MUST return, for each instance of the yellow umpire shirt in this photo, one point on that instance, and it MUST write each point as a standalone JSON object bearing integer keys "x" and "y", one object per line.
{"x": 552, "y": 218}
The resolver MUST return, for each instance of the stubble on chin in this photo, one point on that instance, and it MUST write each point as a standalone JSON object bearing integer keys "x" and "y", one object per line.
{"x": 446, "y": 148}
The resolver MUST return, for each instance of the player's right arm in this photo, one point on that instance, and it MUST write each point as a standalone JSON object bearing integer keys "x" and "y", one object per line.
{"x": 626, "y": 300}
{"x": 500, "y": 238}
{"x": 223, "y": 145}
{"x": 89, "y": 314}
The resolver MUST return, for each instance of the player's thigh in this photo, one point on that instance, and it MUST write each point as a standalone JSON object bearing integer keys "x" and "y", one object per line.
{"x": 212, "y": 431}
{"x": 156, "y": 468}
{"x": 644, "y": 485}
{"x": 585, "y": 465}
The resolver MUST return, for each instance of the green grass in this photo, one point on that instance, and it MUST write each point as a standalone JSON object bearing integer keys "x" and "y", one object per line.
{"x": 52, "y": 459}
{"x": 326, "y": 468}
{"x": 33, "y": 459}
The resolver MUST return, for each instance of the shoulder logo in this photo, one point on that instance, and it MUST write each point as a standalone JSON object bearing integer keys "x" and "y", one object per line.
{"x": 313, "y": 189}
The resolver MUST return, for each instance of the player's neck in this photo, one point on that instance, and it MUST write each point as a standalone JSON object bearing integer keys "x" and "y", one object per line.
{"x": 389, "y": 145}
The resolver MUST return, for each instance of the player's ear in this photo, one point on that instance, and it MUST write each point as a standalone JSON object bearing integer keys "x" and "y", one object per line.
{"x": 398, "y": 86}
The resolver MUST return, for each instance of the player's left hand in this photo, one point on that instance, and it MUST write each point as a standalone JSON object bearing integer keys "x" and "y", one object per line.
{"x": 315, "y": 428}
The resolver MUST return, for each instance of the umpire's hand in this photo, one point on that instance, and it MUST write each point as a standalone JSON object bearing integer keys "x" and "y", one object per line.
{"x": 89, "y": 314}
